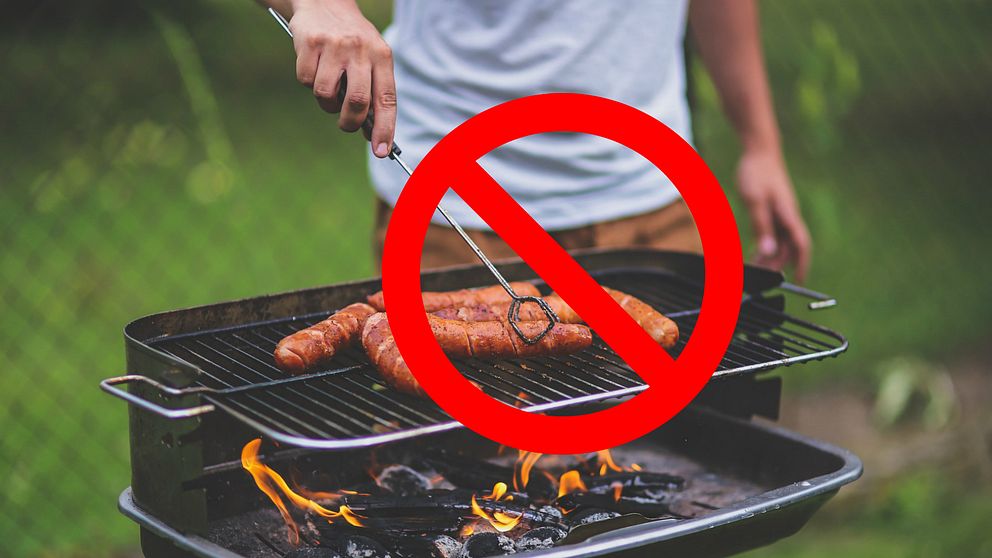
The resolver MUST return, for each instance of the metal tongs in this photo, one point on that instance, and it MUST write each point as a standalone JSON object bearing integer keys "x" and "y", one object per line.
{"x": 513, "y": 314}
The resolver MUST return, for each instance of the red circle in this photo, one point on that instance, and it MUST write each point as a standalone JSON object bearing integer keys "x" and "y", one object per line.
{"x": 455, "y": 156}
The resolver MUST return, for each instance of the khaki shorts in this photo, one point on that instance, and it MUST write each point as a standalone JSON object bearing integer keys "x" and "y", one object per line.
{"x": 668, "y": 228}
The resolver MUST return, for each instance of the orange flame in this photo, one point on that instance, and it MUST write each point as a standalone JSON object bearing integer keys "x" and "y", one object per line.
{"x": 268, "y": 480}
{"x": 571, "y": 481}
{"x": 617, "y": 490}
{"x": 525, "y": 462}
{"x": 606, "y": 458}
{"x": 500, "y": 521}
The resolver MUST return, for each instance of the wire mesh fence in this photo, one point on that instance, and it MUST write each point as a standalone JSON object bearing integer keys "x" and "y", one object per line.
{"x": 161, "y": 157}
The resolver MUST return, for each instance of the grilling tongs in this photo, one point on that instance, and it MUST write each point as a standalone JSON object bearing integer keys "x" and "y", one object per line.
{"x": 513, "y": 314}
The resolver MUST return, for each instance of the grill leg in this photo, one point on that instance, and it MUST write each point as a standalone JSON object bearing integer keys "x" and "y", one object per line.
{"x": 154, "y": 546}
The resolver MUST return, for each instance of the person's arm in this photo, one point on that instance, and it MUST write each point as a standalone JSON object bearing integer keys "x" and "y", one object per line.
{"x": 333, "y": 38}
{"x": 728, "y": 37}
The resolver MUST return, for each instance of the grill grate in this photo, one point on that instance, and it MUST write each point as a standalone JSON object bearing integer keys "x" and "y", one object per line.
{"x": 347, "y": 405}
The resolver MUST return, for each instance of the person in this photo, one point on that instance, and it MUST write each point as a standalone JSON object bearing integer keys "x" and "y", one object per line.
{"x": 447, "y": 60}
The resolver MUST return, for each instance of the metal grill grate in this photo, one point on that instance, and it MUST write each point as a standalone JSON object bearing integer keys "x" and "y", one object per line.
{"x": 347, "y": 405}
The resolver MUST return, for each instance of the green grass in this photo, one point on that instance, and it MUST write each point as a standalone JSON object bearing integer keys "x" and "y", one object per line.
{"x": 150, "y": 164}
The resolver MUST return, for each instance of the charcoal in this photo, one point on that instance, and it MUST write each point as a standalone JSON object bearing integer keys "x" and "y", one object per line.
{"x": 357, "y": 546}
{"x": 542, "y": 537}
{"x": 478, "y": 474}
{"x": 590, "y": 515}
{"x": 648, "y": 507}
{"x": 403, "y": 481}
{"x": 551, "y": 511}
{"x": 440, "y": 508}
{"x": 635, "y": 483}
{"x": 446, "y": 547}
{"x": 313, "y": 552}
{"x": 486, "y": 544}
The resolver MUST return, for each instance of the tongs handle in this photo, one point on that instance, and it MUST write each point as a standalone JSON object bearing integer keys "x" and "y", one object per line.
{"x": 820, "y": 300}
{"x": 513, "y": 314}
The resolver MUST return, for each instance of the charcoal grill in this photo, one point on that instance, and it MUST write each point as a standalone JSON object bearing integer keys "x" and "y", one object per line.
{"x": 201, "y": 383}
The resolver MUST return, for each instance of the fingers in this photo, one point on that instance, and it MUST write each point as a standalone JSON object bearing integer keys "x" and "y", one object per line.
{"x": 327, "y": 82}
{"x": 357, "y": 97}
{"x": 764, "y": 228}
{"x": 797, "y": 236}
{"x": 306, "y": 61}
{"x": 384, "y": 99}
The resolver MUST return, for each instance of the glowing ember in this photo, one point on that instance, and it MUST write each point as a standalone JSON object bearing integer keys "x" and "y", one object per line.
{"x": 268, "y": 480}
{"x": 617, "y": 490}
{"x": 571, "y": 481}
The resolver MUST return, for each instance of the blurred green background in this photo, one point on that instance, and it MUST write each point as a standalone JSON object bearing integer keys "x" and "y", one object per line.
{"x": 161, "y": 155}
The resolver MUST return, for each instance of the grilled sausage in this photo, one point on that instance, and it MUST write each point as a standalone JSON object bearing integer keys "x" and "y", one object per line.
{"x": 486, "y": 296}
{"x": 319, "y": 343}
{"x": 489, "y": 339}
{"x": 663, "y": 330}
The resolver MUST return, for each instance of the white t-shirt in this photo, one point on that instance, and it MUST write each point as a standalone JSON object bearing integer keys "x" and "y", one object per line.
{"x": 456, "y": 58}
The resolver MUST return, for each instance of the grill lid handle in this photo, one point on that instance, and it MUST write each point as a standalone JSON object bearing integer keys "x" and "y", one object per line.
{"x": 109, "y": 386}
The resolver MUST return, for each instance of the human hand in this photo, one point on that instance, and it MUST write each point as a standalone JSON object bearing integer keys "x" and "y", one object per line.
{"x": 779, "y": 229}
{"x": 332, "y": 38}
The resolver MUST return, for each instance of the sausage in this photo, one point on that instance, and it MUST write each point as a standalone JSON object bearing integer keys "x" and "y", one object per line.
{"x": 488, "y": 339}
{"x": 664, "y": 331}
{"x": 485, "y": 296}
{"x": 319, "y": 343}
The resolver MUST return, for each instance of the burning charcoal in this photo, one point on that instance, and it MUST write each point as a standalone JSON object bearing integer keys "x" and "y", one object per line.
{"x": 357, "y": 546}
{"x": 635, "y": 482}
{"x": 542, "y": 537}
{"x": 313, "y": 552}
{"x": 591, "y": 515}
{"x": 403, "y": 481}
{"x": 648, "y": 507}
{"x": 446, "y": 547}
{"x": 486, "y": 544}
{"x": 551, "y": 511}
{"x": 477, "y": 474}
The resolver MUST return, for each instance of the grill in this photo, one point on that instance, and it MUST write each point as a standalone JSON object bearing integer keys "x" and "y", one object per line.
{"x": 202, "y": 383}
{"x": 347, "y": 406}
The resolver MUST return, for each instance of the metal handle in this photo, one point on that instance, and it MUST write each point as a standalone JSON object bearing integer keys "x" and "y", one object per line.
{"x": 820, "y": 300}
{"x": 109, "y": 384}
{"x": 513, "y": 315}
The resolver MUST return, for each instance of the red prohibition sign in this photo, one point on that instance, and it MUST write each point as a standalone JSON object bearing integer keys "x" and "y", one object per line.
{"x": 672, "y": 383}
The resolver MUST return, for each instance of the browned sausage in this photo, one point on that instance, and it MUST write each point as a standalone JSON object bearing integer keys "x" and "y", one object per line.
{"x": 490, "y": 339}
{"x": 485, "y": 296}
{"x": 319, "y": 343}
{"x": 663, "y": 330}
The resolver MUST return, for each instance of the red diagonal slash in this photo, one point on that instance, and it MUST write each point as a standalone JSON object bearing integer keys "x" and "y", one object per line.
{"x": 561, "y": 272}
{"x": 456, "y": 156}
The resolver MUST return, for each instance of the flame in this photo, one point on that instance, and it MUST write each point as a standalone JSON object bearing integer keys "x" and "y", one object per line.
{"x": 571, "y": 481}
{"x": 525, "y": 462}
{"x": 636, "y": 467}
{"x": 268, "y": 480}
{"x": 606, "y": 458}
{"x": 259, "y": 472}
{"x": 499, "y": 489}
{"x": 501, "y": 521}
{"x": 466, "y": 531}
{"x": 617, "y": 490}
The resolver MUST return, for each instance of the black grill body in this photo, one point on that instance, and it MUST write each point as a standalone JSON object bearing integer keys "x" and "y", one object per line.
{"x": 186, "y": 475}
